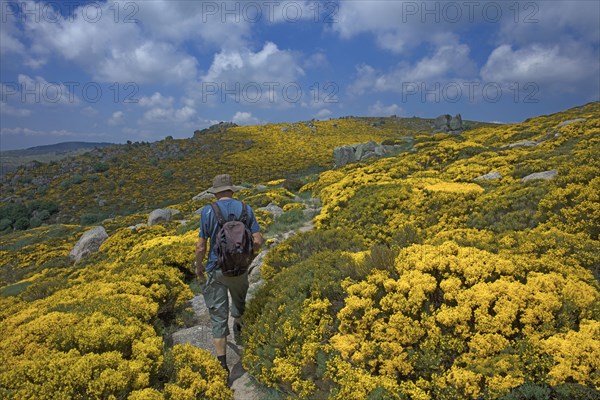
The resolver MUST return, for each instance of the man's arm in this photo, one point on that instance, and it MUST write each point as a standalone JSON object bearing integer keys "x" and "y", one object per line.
{"x": 200, "y": 253}
{"x": 258, "y": 241}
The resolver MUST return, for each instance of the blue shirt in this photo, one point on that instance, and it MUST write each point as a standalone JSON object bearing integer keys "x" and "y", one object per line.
{"x": 209, "y": 227}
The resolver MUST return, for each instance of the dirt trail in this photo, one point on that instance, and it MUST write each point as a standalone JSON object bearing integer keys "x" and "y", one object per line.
{"x": 200, "y": 335}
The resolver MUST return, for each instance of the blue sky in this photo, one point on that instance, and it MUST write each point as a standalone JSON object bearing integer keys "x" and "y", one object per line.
{"x": 141, "y": 70}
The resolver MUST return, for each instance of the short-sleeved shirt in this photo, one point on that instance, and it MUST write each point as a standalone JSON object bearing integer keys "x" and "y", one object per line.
{"x": 209, "y": 227}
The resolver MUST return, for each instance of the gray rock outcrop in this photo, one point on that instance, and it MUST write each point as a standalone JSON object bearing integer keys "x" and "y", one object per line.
{"x": 203, "y": 195}
{"x": 446, "y": 123}
{"x": 343, "y": 155}
{"x": 273, "y": 209}
{"x": 491, "y": 176}
{"x": 89, "y": 243}
{"x": 349, "y": 154}
{"x": 161, "y": 214}
{"x": 524, "y": 143}
{"x": 546, "y": 175}
{"x": 570, "y": 121}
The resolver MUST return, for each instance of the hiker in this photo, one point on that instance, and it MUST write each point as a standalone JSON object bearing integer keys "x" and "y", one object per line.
{"x": 217, "y": 284}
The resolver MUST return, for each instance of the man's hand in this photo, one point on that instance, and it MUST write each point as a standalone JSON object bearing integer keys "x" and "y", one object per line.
{"x": 200, "y": 271}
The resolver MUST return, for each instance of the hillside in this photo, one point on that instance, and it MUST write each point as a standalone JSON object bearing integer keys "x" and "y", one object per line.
{"x": 10, "y": 160}
{"x": 467, "y": 267}
{"x": 134, "y": 177}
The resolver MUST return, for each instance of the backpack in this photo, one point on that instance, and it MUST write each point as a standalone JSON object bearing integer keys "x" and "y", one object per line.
{"x": 234, "y": 244}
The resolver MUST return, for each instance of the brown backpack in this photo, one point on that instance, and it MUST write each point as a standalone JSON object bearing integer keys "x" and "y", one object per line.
{"x": 234, "y": 243}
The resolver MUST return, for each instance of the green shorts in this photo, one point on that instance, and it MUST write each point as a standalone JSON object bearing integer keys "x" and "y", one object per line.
{"x": 217, "y": 301}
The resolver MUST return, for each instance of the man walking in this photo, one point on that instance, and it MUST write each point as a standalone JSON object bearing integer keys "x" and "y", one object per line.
{"x": 218, "y": 285}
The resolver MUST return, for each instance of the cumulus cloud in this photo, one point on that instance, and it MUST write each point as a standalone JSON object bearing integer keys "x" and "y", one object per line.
{"x": 39, "y": 91}
{"x": 250, "y": 77}
{"x": 116, "y": 118}
{"x": 177, "y": 115}
{"x": 552, "y": 67}
{"x": 109, "y": 50}
{"x": 449, "y": 62}
{"x": 323, "y": 113}
{"x": 156, "y": 100}
{"x": 7, "y": 109}
{"x": 380, "y": 109}
{"x": 245, "y": 118}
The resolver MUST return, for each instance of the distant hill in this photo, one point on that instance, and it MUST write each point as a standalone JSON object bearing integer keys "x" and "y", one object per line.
{"x": 12, "y": 159}
{"x": 133, "y": 177}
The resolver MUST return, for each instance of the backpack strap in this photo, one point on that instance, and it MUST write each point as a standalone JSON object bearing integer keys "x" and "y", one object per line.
{"x": 244, "y": 215}
{"x": 220, "y": 220}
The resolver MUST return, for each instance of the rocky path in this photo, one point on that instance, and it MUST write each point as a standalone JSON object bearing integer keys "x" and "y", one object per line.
{"x": 200, "y": 335}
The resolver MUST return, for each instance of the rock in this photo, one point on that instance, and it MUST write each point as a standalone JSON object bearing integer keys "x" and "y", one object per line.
{"x": 546, "y": 175}
{"x": 137, "y": 226}
{"x": 159, "y": 215}
{"x": 101, "y": 203}
{"x": 524, "y": 143}
{"x": 570, "y": 121}
{"x": 343, "y": 155}
{"x": 490, "y": 176}
{"x": 456, "y": 123}
{"x": 89, "y": 243}
{"x": 445, "y": 123}
{"x": 273, "y": 209}
{"x": 203, "y": 195}
{"x": 442, "y": 123}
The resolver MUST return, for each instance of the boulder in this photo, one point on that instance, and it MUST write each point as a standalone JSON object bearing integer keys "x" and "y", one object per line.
{"x": 203, "y": 195}
{"x": 273, "y": 209}
{"x": 442, "y": 123}
{"x": 159, "y": 215}
{"x": 89, "y": 243}
{"x": 136, "y": 226}
{"x": 456, "y": 123}
{"x": 546, "y": 175}
{"x": 570, "y": 121}
{"x": 490, "y": 176}
{"x": 524, "y": 143}
{"x": 343, "y": 155}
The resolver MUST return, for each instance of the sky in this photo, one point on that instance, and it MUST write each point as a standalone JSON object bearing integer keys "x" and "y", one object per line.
{"x": 113, "y": 71}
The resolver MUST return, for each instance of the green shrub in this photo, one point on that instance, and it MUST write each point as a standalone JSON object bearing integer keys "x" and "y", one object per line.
{"x": 300, "y": 247}
{"x": 92, "y": 218}
{"x": 100, "y": 167}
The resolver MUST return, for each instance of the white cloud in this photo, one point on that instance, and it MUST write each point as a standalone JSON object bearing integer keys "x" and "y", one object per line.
{"x": 7, "y": 109}
{"x": 243, "y": 76}
{"x": 553, "y": 67}
{"x": 379, "y": 109}
{"x": 110, "y": 51}
{"x": 89, "y": 111}
{"x": 550, "y": 22}
{"x": 397, "y": 25}
{"x": 156, "y": 100}
{"x": 33, "y": 132}
{"x": 450, "y": 62}
{"x": 245, "y": 118}
{"x": 323, "y": 113}
{"x": 159, "y": 114}
{"x": 39, "y": 91}
{"x": 117, "y": 118}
